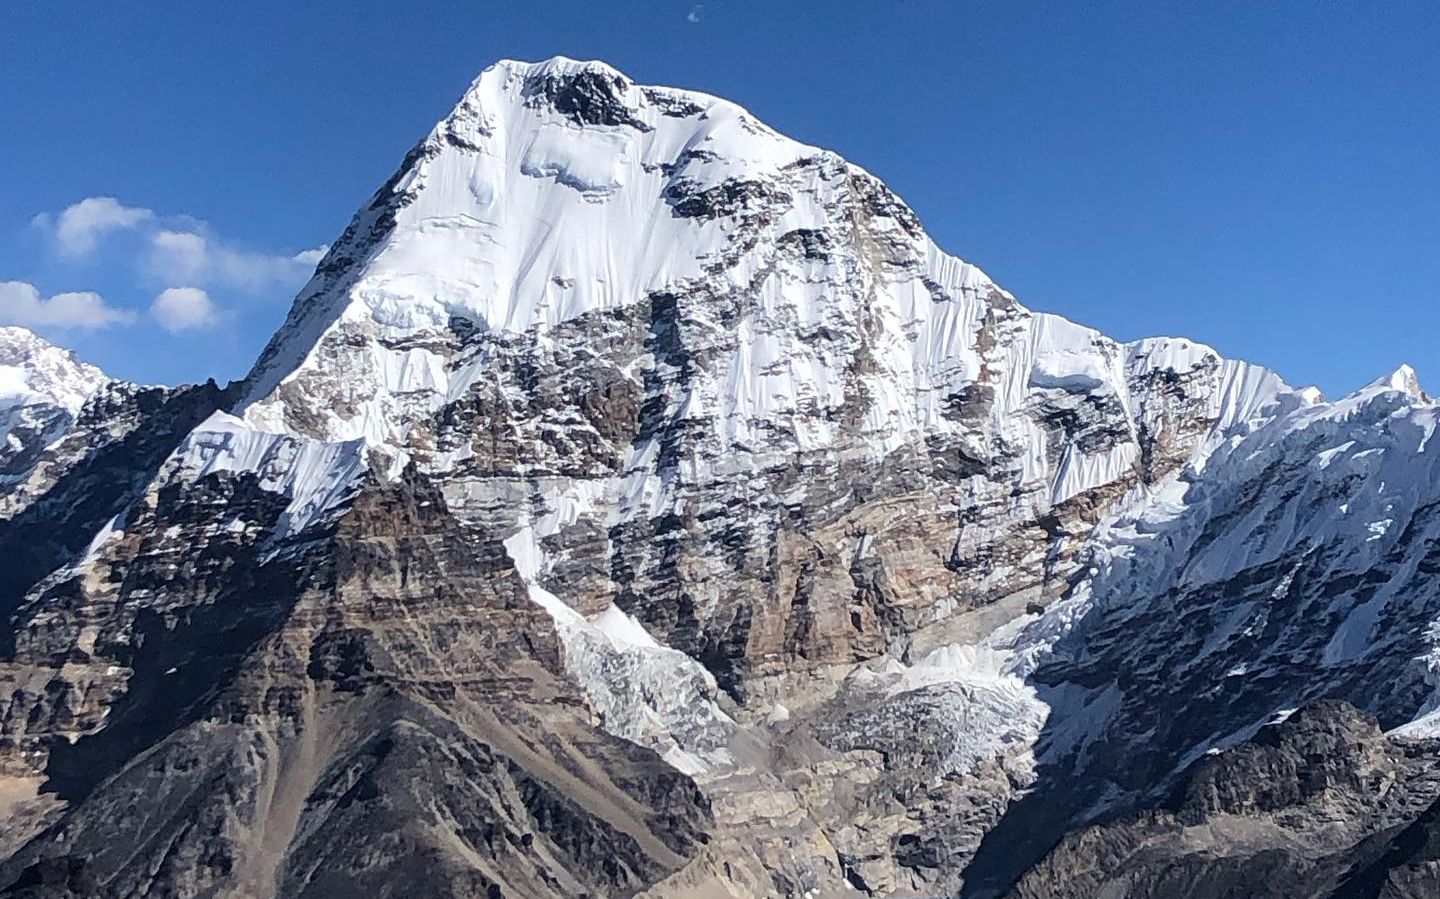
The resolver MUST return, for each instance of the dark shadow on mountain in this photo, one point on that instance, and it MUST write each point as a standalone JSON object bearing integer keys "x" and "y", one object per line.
{"x": 176, "y": 671}
{"x": 181, "y": 657}
{"x": 58, "y": 525}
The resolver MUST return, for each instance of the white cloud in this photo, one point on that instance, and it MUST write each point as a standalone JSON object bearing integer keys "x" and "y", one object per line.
{"x": 312, "y": 256}
{"x": 195, "y": 258}
{"x": 178, "y": 255}
{"x": 695, "y": 13}
{"x": 80, "y": 225}
{"x": 184, "y": 309}
{"x": 22, "y": 304}
{"x": 180, "y": 249}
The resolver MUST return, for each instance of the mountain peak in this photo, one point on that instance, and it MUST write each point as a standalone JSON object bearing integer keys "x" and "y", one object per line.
{"x": 586, "y": 92}
{"x": 797, "y": 500}
{"x": 558, "y": 189}
{"x": 1404, "y": 379}
{"x": 19, "y": 337}
{"x": 42, "y": 389}
{"x": 560, "y": 195}
{"x": 34, "y": 370}
{"x": 558, "y": 66}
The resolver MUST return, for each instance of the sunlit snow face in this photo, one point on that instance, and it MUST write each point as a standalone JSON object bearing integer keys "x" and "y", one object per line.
{"x": 516, "y": 196}
{"x": 14, "y": 382}
{"x": 591, "y": 162}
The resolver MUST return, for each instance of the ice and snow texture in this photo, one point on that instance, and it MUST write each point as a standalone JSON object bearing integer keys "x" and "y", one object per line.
{"x": 42, "y": 390}
{"x": 33, "y": 370}
{"x": 315, "y": 477}
{"x": 517, "y": 219}
{"x": 651, "y": 694}
{"x": 1351, "y": 481}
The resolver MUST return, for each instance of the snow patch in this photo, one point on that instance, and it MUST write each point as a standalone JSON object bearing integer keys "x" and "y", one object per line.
{"x": 14, "y": 382}
{"x": 623, "y": 630}
{"x": 316, "y": 477}
{"x": 643, "y": 692}
{"x": 592, "y": 162}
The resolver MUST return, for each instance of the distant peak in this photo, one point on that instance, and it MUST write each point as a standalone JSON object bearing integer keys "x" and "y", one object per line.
{"x": 19, "y": 343}
{"x": 33, "y": 367}
{"x": 1403, "y": 379}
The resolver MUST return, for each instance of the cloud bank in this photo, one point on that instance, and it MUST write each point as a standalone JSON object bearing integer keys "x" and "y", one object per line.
{"x": 180, "y": 253}
{"x": 177, "y": 249}
{"x": 22, "y": 304}
{"x": 191, "y": 257}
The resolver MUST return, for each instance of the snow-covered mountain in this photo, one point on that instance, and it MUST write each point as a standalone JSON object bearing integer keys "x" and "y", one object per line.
{"x": 643, "y": 496}
{"x": 42, "y": 388}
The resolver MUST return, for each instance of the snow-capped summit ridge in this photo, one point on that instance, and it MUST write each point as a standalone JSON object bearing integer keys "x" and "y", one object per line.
{"x": 557, "y": 63}
{"x": 559, "y": 66}
{"x": 43, "y": 387}
{"x": 1404, "y": 379}
{"x": 561, "y": 192}
{"x": 34, "y": 370}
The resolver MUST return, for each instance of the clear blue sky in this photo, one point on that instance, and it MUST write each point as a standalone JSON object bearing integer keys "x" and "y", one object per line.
{"x": 1260, "y": 176}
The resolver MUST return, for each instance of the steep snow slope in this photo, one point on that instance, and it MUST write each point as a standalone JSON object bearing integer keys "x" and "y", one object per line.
{"x": 559, "y": 191}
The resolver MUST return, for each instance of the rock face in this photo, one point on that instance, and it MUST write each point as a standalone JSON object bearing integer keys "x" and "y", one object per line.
{"x": 636, "y": 501}
{"x": 379, "y": 705}
{"x": 1322, "y": 804}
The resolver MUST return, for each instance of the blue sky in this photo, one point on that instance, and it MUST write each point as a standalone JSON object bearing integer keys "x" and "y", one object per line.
{"x": 1258, "y": 176}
